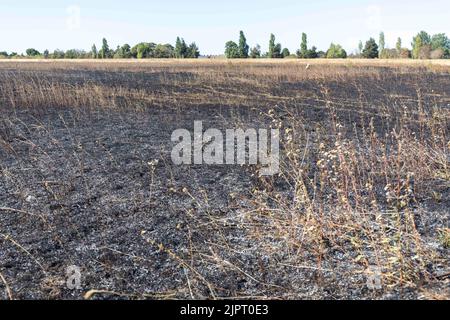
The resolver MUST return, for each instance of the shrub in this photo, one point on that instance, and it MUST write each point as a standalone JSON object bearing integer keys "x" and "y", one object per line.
{"x": 424, "y": 52}
{"x": 437, "y": 54}
{"x": 336, "y": 52}
{"x": 285, "y": 53}
{"x": 255, "y": 52}
{"x": 32, "y": 52}
{"x": 405, "y": 53}
{"x": 389, "y": 54}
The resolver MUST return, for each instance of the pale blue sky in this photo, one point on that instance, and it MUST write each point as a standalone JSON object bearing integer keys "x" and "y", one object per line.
{"x": 65, "y": 24}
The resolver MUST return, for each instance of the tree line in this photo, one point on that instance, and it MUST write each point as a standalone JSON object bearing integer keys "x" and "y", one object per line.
{"x": 143, "y": 50}
{"x": 242, "y": 50}
{"x": 424, "y": 46}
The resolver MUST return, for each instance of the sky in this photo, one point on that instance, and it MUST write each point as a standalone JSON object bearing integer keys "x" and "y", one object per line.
{"x": 67, "y": 24}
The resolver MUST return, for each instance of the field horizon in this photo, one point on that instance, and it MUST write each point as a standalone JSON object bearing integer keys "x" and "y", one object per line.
{"x": 348, "y": 61}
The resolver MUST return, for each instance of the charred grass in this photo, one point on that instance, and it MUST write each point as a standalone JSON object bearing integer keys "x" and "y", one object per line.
{"x": 359, "y": 209}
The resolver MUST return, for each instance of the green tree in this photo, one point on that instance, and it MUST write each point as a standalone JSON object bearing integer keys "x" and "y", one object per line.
{"x": 46, "y": 54}
{"x": 285, "y": 53}
{"x": 398, "y": 45}
{"x": 181, "y": 49}
{"x": 360, "y": 47}
{"x": 312, "y": 53}
{"x": 117, "y": 54}
{"x": 58, "y": 54}
{"x": 371, "y": 49}
{"x": 71, "y": 54}
{"x": 32, "y": 52}
{"x": 193, "y": 51}
{"x": 232, "y": 50}
{"x": 440, "y": 41}
{"x": 79, "y": 54}
{"x": 274, "y": 49}
{"x": 178, "y": 50}
{"x": 421, "y": 40}
{"x": 123, "y": 52}
{"x": 277, "y": 51}
{"x": 382, "y": 45}
{"x": 255, "y": 52}
{"x": 184, "y": 49}
{"x": 104, "y": 51}
{"x": 164, "y": 51}
{"x": 303, "y": 52}
{"x": 126, "y": 51}
{"x": 243, "y": 46}
{"x": 272, "y": 46}
{"x": 143, "y": 50}
{"x": 94, "y": 52}
{"x": 336, "y": 52}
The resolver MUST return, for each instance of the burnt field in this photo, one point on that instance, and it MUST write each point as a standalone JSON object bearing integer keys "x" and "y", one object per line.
{"x": 359, "y": 209}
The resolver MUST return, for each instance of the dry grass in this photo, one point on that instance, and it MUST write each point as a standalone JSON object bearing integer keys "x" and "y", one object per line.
{"x": 31, "y": 83}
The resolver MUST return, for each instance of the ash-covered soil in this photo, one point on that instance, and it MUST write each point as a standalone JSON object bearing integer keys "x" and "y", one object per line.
{"x": 84, "y": 189}
{"x": 91, "y": 195}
